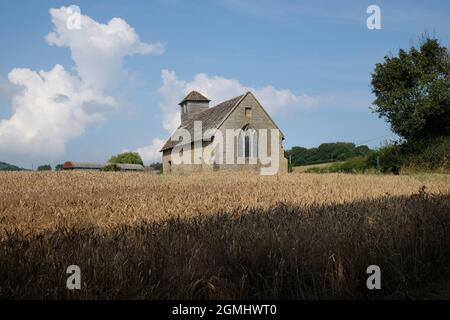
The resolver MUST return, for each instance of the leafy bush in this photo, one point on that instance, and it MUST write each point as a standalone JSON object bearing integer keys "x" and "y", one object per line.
{"x": 157, "y": 166}
{"x": 326, "y": 152}
{"x": 353, "y": 165}
{"x": 428, "y": 154}
{"x": 111, "y": 167}
{"x": 127, "y": 157}
{"x": 45, "y": 167}
{"x": 390, "y": 158}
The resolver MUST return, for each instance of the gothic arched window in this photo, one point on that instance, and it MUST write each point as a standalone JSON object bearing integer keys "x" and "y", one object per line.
{"x": 248, "y": 143}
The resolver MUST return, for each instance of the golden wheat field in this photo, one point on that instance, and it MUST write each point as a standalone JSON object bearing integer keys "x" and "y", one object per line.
{"x": 35, "y": 202}
{"x": 223, "y": 235}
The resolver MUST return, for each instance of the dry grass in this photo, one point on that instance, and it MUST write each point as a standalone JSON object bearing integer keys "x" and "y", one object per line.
{"x": 309, "y": 166}
{"x": 221, "y": 236}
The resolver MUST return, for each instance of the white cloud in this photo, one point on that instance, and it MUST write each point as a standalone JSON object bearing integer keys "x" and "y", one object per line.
{"x": 52, "y": 107}
{"x": 217, "y": 89}
{"x": 98, "y": 49}
{"x": 7, "y": 89}
{"x": 151, "y": 153}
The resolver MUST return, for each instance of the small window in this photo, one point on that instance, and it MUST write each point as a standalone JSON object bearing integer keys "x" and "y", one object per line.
{"x": 248, "y": 113}
{"x": 184, "y": 108}
{"x": 248, "y": 144}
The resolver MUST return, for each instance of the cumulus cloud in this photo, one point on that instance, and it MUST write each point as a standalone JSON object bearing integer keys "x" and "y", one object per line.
{"x": 52, "y": 107}
{"x": 98, "y": 49}
{"x": 7, "y": 89}
{"x": 151, "y": 153}
{"x": 218, "y": 89}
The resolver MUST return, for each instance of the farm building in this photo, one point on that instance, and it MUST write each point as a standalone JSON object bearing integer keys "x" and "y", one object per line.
{"x": 130, "y": 167}
{"x": 243, "y": 112}
{"x": 71, "y": 165}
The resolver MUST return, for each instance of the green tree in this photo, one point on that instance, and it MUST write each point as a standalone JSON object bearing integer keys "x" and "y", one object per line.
{"x": 326, "y": 152}
{"x": 298, "y": 155}
{"x": 110, "y": 167}
{"x": 58, "y": 167}
{"x": 412, "y": 91}
{"x": 45, "y": 167}
{"x": 127, "y": 157}
{"x": 157, "y": 166}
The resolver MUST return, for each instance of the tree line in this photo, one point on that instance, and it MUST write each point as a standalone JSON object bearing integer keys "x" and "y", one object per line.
{"x": 326, "y": 152}
{"x": 412, "y": 93}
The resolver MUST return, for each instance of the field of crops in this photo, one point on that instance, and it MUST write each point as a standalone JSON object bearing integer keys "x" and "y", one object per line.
{"x": 304, "y": 168}
{"x": 224, "y": 235}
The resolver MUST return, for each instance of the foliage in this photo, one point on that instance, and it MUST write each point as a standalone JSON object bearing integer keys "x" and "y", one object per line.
{"x": 58, "y": 167}
{"x": 326, "y": 152}
{"x": 353, "y": 165}
{"x": 427, "y": 154}
{"x": 221, "y": 236}
{"x": 413, "y": 91}
{"x": 45, "y": 167}
{"x": 8, "y": 167}
{"x": 390, "y": 158}
{"x": 127, "y": 157}
{"x": 158, "y": 166}
{"x": 111, "y": 167}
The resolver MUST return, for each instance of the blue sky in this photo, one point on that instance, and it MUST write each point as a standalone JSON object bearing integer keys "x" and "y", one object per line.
{"x": 311, "y": 61}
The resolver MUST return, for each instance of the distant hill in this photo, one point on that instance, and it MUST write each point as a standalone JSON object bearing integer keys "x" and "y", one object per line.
{"x": 8, "y": 167}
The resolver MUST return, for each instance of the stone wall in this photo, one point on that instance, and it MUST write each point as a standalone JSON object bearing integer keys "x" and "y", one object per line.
{"x": 259, "y": 120}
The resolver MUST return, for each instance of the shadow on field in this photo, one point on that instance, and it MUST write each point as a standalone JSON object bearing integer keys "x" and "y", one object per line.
{"x": 283, "y": 253}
